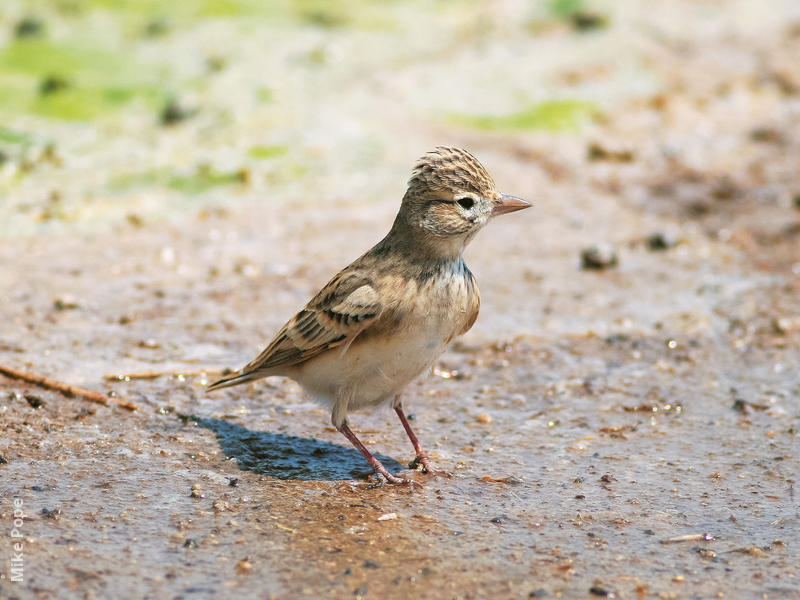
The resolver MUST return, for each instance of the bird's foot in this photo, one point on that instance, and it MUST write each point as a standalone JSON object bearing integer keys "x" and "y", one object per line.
{"x": 422, "y": 460}
{"x": 383, "y": 478}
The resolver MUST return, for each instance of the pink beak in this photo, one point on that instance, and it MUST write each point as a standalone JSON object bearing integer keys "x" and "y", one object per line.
{"x": 508, "y": 204}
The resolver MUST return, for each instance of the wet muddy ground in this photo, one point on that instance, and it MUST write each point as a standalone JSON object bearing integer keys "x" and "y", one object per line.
{"x": 628, "y": 431}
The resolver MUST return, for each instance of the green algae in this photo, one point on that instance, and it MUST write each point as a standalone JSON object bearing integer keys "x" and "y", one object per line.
{"x": 555, "y": 115}
{"x": 265, "y": 152}
{"x": 202, "y": 179}
{"x": 92, "y": 80}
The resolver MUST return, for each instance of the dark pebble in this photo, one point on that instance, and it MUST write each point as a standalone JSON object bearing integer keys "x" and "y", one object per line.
{"x": 28, "y": 27}
{"x": 348, "y": 572}
{"x": 767, "y": 135}
{"x": 706, "y": 553}
{"x": 174, "y": 113}
{"x": 3, "y": 460}
{"x": 156, "y": 28}
{"x": 540, "y": 593}
{"x": 190, "y": 543}
{"x": 54, "y": 513}
{"x": 233, "y": 482}
{"x": 660, "y": 241}
{"x": 62, "y": 304}
{"x": 371, "y": 564}
{"x": 596, "y": 152}
{"x": 52, "y": 84}
{"x": 586, "y": 21}
{"x": 361, "y": 591}
{"x": 43, "y": 488}
{"x": 34, "y": 401}
{"x": 499, "y": 519}
{"x": 797, "y": 201}
{"x": 600, "y": 257}
{"x": 596, "y": 590}
{"x": 649, "y": 532}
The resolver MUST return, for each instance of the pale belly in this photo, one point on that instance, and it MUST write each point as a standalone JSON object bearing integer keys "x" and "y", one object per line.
{"x": 373, "y": 372}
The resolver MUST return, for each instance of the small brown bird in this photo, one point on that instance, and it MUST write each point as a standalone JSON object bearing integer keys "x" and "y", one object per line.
{"x": 385, "y": 318}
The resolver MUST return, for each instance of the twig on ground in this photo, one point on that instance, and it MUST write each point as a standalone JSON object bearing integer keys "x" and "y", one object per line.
{"x": 66, "y": 389}
{"x": 692, "y": 537}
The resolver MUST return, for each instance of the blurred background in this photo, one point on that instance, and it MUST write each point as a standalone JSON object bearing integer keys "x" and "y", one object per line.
{"x": 139, "y": 110}
{"x": 178, "y": 178}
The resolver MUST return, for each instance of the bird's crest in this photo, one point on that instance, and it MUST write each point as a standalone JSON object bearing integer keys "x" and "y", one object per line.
{"x": 450, "y": 168}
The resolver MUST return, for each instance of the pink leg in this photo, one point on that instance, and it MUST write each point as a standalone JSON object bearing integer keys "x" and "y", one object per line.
{"x": 422, "y": 456}
{"x": 376, "y": 464}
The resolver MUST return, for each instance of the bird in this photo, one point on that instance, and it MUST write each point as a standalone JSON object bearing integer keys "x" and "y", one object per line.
{"x": 384, "y": 319}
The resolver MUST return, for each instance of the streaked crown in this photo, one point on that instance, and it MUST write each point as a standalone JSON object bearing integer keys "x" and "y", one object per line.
{"x": 447, "y": 168}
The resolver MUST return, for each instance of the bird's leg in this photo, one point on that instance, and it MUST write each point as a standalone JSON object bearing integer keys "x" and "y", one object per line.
{"x": 376, "y": 464}
{"x": 422, "y": 456}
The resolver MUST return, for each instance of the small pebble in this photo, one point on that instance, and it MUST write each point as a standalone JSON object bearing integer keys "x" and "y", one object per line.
{"x": 52, "y": 85}
{"x": 484, "y": 419}
{"x": 65, "y": 303}
{"x": 156, "y": 28}
{"x": 243, "y": 567}
{"x": 174, "y": 113}
{"x": 586, "y": 21}
{"x": 34, "y": 401}
{"x": 596, "y": 258}
{"x": 596, "y": 152}
{"x": 54, "y": 513}
{"x": 28, "y": 27}
{"x": 660, "y": 241}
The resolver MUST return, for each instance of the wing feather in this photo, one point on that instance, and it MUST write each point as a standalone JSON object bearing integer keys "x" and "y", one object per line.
{"x": 336, "y": 315}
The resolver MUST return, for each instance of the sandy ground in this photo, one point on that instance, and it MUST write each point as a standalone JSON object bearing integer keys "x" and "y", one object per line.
{"x": 628, "y": 432}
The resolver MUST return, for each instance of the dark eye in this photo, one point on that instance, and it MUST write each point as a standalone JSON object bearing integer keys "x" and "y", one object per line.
{"x": 466, "y": 202}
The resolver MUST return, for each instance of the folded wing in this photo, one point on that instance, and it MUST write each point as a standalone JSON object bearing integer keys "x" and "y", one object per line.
{"x": 346, "y": 306}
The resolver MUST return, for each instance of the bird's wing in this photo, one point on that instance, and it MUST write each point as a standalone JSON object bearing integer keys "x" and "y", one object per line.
{"x": 335, "y": 316}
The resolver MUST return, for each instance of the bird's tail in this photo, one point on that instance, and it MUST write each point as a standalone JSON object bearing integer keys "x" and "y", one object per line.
{"x": 234, "y": 379}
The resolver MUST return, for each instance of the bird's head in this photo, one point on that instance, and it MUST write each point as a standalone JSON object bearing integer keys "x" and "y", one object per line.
{"x": 451, "y": 196}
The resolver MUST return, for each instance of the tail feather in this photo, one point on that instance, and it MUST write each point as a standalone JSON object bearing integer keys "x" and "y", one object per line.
{"x": 234, "y": 379}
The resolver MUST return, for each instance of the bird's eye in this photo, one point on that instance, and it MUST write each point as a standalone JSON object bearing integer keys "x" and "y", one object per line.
{"x": 466, "y": 202}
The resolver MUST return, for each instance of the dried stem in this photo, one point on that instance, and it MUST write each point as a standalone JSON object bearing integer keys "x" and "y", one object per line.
{"x": 66, "y": 389}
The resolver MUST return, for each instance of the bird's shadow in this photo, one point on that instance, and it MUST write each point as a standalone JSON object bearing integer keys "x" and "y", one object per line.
{"x": 287, "y": 456}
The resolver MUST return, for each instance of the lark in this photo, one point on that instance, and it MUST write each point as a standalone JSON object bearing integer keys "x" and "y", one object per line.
{"x": 384, "y": 319}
